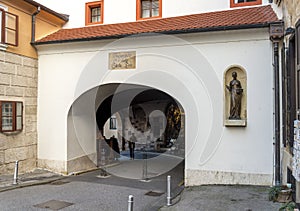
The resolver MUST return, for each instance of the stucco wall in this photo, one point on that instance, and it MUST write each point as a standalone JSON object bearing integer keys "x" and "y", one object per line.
{"x": 18, "y": 82}
{"x": 189, "y": 68}
{"x": 117, "y": 14}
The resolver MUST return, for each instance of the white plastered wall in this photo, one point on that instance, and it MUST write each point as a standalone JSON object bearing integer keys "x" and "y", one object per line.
{"x": 116, "y": 11}
{"x": 189, "y": 68}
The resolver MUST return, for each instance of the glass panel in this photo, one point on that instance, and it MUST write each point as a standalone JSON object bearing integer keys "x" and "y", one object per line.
{"x": 95, "y": 11}
{"x": 146, "y": 5}
{"x": 7, "y": 123}
{"x": 146, "y": 14}
{"x": 7, "y": 109}
{"x": 95, "y": 14}
{"x": 155, "y": 4}
{"x": 155, "y": 12}
{"x": 155, "y": 8}
{"x": 19, "y": 109}
{"x": 19, "y": 123}
{"x": 96, "y": 19}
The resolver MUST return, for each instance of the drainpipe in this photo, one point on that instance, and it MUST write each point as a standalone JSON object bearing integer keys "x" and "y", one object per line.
{"x": 276, "y": 34}
{"x": 277, "y": 114}
{"x": 33, "y": 20}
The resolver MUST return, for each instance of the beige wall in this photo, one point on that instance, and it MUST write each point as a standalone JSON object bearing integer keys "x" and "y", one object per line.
{"x": 18, "y": 82}
{"x": 45, "y": 24}
{"x": 291, "y": 12}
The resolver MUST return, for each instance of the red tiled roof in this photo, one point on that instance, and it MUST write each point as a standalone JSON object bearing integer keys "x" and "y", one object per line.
{"x": 222, "y": 20}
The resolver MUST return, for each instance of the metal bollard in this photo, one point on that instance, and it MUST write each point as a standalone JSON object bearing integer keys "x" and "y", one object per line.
{"x": 130, "y": 203}
{"x": 169, "y": 200}
{"x": 16, "y": 173}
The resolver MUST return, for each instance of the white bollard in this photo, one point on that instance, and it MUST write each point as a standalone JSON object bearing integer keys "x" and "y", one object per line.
{"x": 169, "y": 199}
{"x": 16, "y": 173}
{"x": 130, "y": 203}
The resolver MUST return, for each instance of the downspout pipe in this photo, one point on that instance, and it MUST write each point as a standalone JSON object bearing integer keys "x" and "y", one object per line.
{"x": 276, "y": 35}
{"x": 33, "y": 21}
{"x": 277, "y": 113}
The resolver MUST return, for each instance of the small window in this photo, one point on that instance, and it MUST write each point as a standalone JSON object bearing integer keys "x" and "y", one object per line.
{"x": 240, "y": 3}
{"x": 149, "y": 9}
{"x": 113, "y": 123}
{"x": 11, "y": 116}
{"x": 94, "y": 13}
{"x": 9, "y": 28}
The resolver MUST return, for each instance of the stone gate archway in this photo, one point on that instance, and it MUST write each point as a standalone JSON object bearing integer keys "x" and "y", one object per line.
{"x": 155, "y": 117}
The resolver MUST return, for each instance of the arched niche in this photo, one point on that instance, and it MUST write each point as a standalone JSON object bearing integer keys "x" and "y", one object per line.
{"x": 235, "y": 96}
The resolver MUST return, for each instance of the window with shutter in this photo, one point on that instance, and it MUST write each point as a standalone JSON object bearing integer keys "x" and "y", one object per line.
{"x": 9, "y": 28}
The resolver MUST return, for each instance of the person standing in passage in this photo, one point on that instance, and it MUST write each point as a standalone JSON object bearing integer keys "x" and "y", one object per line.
{"x": 115, "y": 147}
{"x": 236, "y": 92}
{"x": 131, "y": 144}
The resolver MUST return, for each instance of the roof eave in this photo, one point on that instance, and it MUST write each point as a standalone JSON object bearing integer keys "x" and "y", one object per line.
{"x": 181, "y": 31}
{"x": 60, "y": 16}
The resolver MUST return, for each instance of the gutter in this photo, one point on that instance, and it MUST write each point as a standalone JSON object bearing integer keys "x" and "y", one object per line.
{"x": 33, "y": 21}
{"x": 181, "y": 31}
{"x": 61, "y": 16}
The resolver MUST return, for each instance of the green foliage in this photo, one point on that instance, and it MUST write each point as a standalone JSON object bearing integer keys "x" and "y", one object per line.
{"x": 290, "y": 206}
{"x": 274, "y": 192}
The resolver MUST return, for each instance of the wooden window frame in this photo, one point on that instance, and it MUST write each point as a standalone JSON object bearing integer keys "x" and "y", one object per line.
{"x": 5, "y": 29}
{"x": 139, "y": 10}
{"x": 243, "y": 4}
{"x": 14, "y": 116}
{"x": 88, "y": 7}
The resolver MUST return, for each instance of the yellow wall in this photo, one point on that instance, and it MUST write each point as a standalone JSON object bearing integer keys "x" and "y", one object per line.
{"x": 45, "y": 24}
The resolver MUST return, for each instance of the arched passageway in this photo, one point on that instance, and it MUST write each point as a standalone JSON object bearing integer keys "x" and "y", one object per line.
{"x": 103, "y": 120}
{"x": 140, "y": 128}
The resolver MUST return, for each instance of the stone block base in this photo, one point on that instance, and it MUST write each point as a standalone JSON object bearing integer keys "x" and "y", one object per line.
{"x": 83, "y": 163}
{"x": 80, "y": 164}
{"x": 57, "y": 166}
{"x": 200, "y": 177}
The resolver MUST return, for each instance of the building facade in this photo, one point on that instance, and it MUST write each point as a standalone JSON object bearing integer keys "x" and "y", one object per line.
{"x": 187, "y": 55}
{"x": 290, "y": 95}
{"x": 19, "y": 78}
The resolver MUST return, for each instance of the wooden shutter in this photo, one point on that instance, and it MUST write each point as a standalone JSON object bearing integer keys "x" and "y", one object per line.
{"x": 11, "y": 25}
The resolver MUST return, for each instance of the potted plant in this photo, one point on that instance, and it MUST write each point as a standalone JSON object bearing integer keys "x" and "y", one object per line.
{"x": 281, "y": 194}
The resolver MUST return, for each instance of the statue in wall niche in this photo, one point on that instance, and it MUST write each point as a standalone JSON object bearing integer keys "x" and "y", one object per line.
{"x": 236, "y": 93}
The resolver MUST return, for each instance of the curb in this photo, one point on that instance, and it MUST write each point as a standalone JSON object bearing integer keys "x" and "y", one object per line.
{"x": 33, "y": 183}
